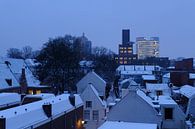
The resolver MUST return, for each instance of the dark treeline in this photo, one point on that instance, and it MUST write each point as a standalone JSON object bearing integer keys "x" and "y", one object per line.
{"x": 59, "y": 62}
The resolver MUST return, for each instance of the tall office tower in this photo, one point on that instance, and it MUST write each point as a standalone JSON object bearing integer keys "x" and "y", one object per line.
{"x": 125, "y": 36}
{"x": 125, "y": 49}
{"x": 147, "y": 47}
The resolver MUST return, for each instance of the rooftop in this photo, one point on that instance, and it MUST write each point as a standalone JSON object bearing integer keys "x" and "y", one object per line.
{"x": 127, "y": 125}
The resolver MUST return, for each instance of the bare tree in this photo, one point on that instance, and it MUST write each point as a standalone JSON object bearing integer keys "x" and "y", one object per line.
{"x": 27, "y": 52}
{"x": 14, "y": 53}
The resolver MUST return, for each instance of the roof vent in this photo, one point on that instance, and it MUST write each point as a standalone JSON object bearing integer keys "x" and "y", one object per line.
{"x": 47, "y": 108}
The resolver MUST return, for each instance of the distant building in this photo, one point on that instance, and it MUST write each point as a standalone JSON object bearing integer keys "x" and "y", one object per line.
{"x": 125, "y": 49}
{"x": 83, "y": 45}
{"x": 147, "y": 47}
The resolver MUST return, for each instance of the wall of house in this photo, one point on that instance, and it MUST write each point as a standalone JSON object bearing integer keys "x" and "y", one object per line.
{"x": 70, "y": 120}
{"x": 178, "y": 121}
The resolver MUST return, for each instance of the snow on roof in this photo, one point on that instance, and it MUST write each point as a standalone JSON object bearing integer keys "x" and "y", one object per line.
{"x": 138, "y": 68}
{"x": 42, "y": 95}
{"x": 31, "y": 62}
{"x": 16, "y": 66}
{"x": 9, "y": 98}
{"x": 94, "y": 79}
{"x": 127, "y": 125}
{"x": 134, "y": 108}
{"x": 135, "y": 72}
{"x": 165, "y": 100}
{"x": 148, "y": 77}
{"x": 192, "y": 75}
{"x": 187, "y": 91}
{"x": 5, "y": 73}
{"x": 154, "y": 87}
{"x": 166, "y": 75}
{"x": 146, "y": 98}
{"x": 30, "y": 114}
{"x": 96, "y": 93}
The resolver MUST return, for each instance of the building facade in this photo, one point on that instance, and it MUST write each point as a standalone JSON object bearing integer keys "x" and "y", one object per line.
{"x": 125, "y": 49}
{"x": 147, "y": 47}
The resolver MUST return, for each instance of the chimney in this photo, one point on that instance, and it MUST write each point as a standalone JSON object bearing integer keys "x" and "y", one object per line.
{"x": 23, "y": 82}
{"x": 47, "y": 108}
{"x": 2, "y": 123}
{"x": 72, "y": 99}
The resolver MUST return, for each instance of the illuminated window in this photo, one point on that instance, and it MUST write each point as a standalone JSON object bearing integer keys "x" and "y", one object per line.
{"x": 125, "y": 48}
{"x": 125, "y": 51}
{"x": 129, "y": 51}
{"x": 121, "y": 58}
{"x": 125, "y": 62}
{"x": 38, "y": 91}
{"x": 30, "y": 92}
{"x": 121, "y": 51}
{"x": 121, "y": 48}
{"x": 121, "y": 62}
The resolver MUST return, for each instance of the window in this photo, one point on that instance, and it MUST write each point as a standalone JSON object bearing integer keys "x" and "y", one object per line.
{"x": 9, "y": 81}
{"x": 87, "y": 114}
{"x": 88, "y": 104}
{"x": 38, "y": 91}
{"x": 168, "y": 113}
{"x": 95, "y": 115}
{"x": 159, "y": 92}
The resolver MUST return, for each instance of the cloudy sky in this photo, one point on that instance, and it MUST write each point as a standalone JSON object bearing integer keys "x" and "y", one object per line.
{"x": 32, "y": 22}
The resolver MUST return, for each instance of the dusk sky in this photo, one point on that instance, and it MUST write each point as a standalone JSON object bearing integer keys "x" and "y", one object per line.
{"x": 33, "y": 22}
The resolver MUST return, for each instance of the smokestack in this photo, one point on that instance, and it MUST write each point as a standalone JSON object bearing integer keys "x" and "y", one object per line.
{"x": 72, "y": 99}
{"x": 2, "y": 123}
{"x": 23, "y": 82}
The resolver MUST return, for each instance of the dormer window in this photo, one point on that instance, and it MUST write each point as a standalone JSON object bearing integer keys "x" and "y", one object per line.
{"x": 9, "y": 82}
{"x": 168, "y": 113}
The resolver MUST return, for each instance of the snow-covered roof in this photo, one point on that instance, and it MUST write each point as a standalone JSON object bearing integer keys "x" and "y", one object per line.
{"x": 5, "y": 73}
{"x": 165, "y": 100}
{"x": 96, "y": 94}
{"x": 191, "y": 75}
{"x": 127, "y": 125}
{"x": 135, "y": 72}
{"x": 7, "y": 99}
{"x": 134, "y": 108}
{"x": 187, "y": 91}
{"x": 31, "y": 114}
{"x": 148, "y": 77}
{"x": 138, "y": 68}
{"x": 16, "y": 66}
{"x": 42, "y": 95}
{"x": 31, "y": 62}
{"x": 154, "y": 87}
{"x": 126, "y": 83}
{"x": 166, "y": 75}
{"x": 92, "y": 78}
{"x": 86, "y": 63}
